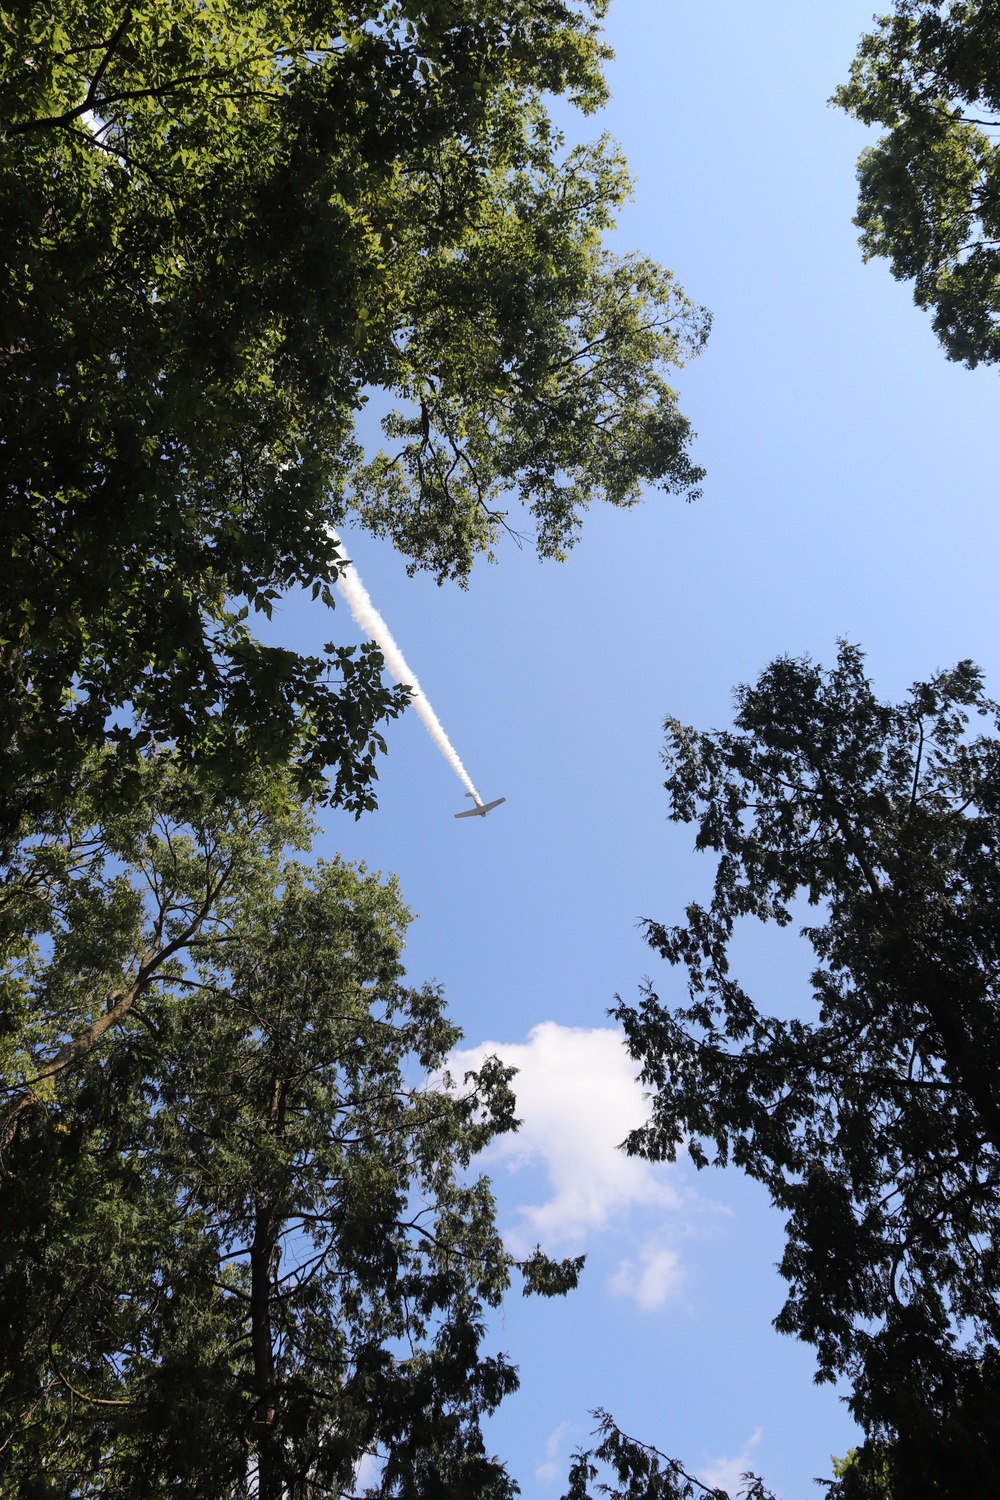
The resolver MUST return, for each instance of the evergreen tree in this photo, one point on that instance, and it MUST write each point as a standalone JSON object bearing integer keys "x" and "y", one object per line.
{"x": 872, "y": 1113}
{"x": 243, "y": 1246}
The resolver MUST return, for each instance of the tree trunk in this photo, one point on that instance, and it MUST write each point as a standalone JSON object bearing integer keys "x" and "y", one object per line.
{"x": 262, "y": 1258}
{"x": 262, "y": 1343}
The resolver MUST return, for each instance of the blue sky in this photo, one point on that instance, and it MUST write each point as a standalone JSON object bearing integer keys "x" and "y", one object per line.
{"x": 850, "y": 492}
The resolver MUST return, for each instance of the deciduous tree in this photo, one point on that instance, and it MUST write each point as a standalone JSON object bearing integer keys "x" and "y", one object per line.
{"x": 929, "y": 74}
{"x": 223, "y": 226}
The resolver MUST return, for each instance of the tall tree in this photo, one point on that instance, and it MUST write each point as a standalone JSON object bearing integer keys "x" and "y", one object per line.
{"x": 872, "y": 1115}
{"x": 225, "y": 224}
{"x": 243, "y": 1247}
{"x": 930, "y": 75}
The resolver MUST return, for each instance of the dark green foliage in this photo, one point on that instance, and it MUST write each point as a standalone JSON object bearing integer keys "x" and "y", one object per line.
{"x": 949, "y": 1452}
{"x": 242, "y": 1243}
{"x": 873, "y": 1116}
{"x": 221, "y": 228}
{"x": 929, "y": 202}
{"x": 547, "y": 1277}
{"x": 641, "y": 1472}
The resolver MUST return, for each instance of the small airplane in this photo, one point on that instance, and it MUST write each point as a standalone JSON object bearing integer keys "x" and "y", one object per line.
{"x": 481, "y": 808}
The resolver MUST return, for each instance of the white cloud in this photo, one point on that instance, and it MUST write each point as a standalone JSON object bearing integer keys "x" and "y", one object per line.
{"x": 577, "y": 1098}
{"x": 656, "y": 1277}
{"x": 725, "y": 1473}
{"x": 554, "y": 1466}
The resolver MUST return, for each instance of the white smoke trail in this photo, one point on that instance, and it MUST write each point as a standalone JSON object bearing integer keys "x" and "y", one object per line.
{"x": 357, "y": 598}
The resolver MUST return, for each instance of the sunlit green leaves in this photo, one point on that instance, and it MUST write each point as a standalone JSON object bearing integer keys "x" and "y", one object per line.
{"x": 222, "y": 226}
{"x": 928, "y": 189}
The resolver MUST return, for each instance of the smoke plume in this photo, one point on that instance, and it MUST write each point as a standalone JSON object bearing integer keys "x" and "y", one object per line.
{"x": 357, "y": 599}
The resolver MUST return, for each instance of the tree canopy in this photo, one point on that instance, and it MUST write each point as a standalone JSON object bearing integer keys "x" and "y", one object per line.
{"x": 871, "y": 1114}
{"x": 930, "y": 75}
{"x": 243, "y": 1247}
{"x": 224, "y": 226}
